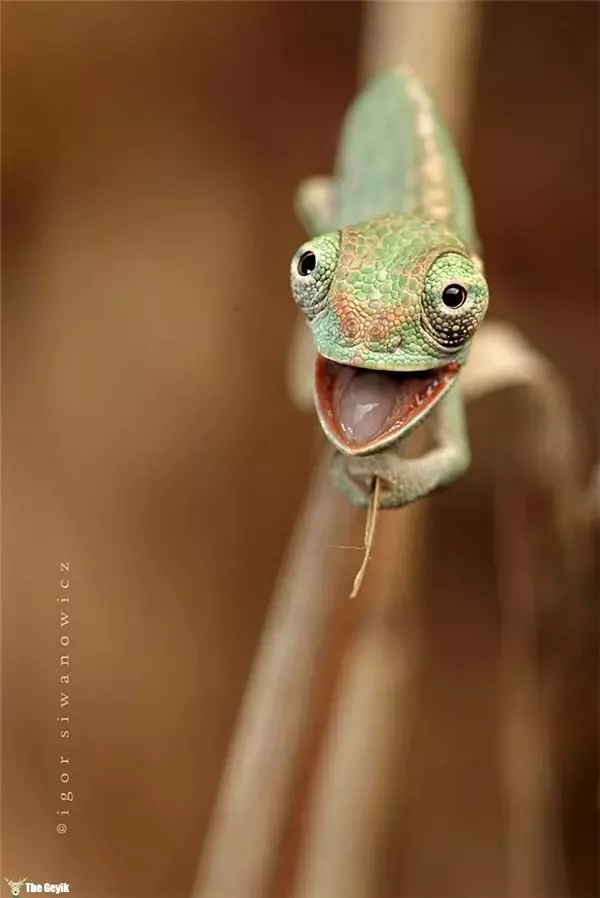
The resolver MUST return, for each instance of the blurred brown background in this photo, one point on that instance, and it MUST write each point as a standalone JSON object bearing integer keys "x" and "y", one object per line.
{"x": 150, "y": 154}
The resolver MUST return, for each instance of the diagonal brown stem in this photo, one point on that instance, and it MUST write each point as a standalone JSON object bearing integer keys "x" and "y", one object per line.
{"x": 252, "y": 808}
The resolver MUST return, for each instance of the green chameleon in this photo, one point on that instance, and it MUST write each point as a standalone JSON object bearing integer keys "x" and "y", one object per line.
{"x": 393, "y": 289}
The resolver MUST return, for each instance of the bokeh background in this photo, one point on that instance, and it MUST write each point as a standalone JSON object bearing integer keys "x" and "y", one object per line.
{"x": 150, "y": 152}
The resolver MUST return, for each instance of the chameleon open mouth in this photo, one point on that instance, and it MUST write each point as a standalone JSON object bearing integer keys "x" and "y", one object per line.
{"x": 362, "y": 409}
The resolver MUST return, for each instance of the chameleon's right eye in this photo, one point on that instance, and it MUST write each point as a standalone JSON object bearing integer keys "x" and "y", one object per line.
{"x": 312, "y": 271}
{"x": 454, "y": 296}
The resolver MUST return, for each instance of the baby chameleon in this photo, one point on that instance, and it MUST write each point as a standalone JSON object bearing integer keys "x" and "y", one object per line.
{"x": 392, "y": 298}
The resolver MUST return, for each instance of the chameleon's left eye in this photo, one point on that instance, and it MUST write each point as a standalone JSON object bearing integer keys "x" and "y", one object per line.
{"x": 307, "y": 263}
{"x": 455, "y": 300}
{"x": 312, "y": 271}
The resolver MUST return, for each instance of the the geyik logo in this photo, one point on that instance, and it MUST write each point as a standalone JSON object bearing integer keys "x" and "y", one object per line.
{"x": 15, "y": 887}
{"x": 53, "y": 888}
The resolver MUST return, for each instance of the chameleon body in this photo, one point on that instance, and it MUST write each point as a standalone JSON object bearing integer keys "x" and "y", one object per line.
{"x": 393, "y": 289}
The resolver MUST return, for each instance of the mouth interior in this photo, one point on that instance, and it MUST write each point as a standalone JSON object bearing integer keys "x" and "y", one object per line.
{"x": 363, "y": 407}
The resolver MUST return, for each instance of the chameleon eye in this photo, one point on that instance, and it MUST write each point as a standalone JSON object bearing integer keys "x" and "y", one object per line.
{"x": 311, "y": 272}
{"x": 455, "y": 300}
{"x": 307, "y": 263}
{"x": 454, "y": 296}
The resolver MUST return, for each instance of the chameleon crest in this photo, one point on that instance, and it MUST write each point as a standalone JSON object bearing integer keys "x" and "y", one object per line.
{"x": 392, "y": 285}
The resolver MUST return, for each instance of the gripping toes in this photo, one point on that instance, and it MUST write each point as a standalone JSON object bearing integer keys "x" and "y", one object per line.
{"x": 403, "y": 480}
{"x": 355, "y": 477}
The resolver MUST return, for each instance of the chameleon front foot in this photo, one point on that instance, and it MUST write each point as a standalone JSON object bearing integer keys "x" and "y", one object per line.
{"x": 358, "y": 492}
{"x": 355, "y": 477}
{"x": 403, "y": 480}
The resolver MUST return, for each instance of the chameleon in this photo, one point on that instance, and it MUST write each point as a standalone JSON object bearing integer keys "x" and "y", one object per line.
{"x": 392, "y": 285}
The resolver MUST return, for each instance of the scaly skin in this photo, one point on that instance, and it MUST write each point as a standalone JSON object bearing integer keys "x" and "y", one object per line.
{"x": 392, "y": 233}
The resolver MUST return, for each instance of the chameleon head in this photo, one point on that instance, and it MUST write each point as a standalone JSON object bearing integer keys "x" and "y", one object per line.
{"x": 392, "y": 304}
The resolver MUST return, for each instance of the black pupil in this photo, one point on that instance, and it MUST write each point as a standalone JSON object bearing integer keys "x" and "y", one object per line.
{"x": 307, "y": 263}
{"x": 454, "y": 295}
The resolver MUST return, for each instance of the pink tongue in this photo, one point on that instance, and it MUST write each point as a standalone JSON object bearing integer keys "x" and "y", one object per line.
{"x": 365, "y": 404}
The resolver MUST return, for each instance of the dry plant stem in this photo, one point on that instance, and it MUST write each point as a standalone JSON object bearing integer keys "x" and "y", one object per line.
{"x": 502, "y": 359}
{"x": 418, "y": 34}
{"x": 253, "y": 804}
{"x": 549, "y": 455}
{"x": 345, "y": 625}
{"x": 370, "y": 726}
{"x": 592, "y": 501}
{"x": 535, "y": 863}
{"x": 369, "y": 536}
